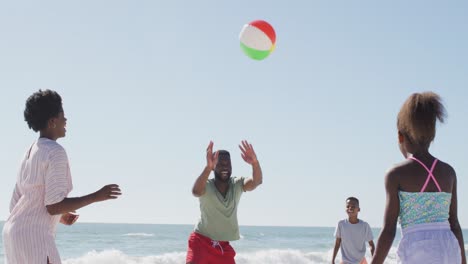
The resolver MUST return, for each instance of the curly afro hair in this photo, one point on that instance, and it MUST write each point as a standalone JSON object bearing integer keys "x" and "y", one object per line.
{"x": 40, "y": 107}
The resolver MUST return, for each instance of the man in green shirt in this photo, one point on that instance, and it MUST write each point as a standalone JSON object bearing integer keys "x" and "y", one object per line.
{"x": 219, "y": 198}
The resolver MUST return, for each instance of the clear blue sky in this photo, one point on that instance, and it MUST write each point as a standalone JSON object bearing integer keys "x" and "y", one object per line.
{"x": 147, "y": 84}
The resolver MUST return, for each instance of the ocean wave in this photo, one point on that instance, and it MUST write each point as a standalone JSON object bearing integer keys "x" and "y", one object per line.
{"x": 284, "y": 256}
{"x": 139, "y": 234}
{"x": 271, "y": 256}
{"x": 290, "y": 256}
{"x": 118, "y": 257}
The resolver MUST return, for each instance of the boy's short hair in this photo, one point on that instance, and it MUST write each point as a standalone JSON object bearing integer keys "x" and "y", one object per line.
{"x": 353, "y": 199}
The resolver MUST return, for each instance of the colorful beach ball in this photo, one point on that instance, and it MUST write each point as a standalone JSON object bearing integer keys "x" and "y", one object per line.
{"x": 257, "y": 39}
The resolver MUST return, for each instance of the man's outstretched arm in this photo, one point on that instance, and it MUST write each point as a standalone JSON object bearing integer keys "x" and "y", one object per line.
{"x": 200, "y": 184}
{"x": 249, "y": 156}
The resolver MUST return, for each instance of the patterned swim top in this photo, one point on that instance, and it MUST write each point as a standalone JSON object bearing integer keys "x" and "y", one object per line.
{"x": 424, "y": 207}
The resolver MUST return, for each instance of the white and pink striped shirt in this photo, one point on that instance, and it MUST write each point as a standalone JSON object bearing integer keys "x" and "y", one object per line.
{"x": 44, "y": 179}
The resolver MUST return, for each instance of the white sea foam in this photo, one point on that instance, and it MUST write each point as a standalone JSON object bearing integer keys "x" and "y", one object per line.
{"x": 117, "y": 257}
{"x": 290, "y": 256}
{"x": 271, "y": 256}
{"x": 139, "y": 234}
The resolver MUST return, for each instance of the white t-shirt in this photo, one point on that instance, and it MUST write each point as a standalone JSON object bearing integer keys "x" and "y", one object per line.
{"x": 353, "y": 240}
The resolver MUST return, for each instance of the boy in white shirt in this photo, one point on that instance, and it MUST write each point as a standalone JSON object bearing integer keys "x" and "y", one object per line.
{"x": 351, "y": 236}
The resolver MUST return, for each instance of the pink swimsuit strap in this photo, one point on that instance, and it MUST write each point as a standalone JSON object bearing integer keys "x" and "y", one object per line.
{"x": 430, "y": 176}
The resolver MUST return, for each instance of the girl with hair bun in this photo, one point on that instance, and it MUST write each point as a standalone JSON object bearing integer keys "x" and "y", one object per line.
{"x": 421, "y": 192}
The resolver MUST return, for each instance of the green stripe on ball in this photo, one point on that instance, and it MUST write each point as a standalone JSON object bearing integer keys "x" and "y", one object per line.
{"x": 253, "y": 53}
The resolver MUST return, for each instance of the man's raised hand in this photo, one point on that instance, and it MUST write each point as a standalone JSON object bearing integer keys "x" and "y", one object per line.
{"x": 211, "y": 158}
{"x": 248, "y": 153}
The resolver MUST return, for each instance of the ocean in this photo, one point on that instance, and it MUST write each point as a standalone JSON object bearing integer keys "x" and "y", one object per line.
{"x": 90, "y": 243}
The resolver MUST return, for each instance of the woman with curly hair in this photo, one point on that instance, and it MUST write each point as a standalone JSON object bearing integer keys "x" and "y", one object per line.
{"x": 44, "y": 181}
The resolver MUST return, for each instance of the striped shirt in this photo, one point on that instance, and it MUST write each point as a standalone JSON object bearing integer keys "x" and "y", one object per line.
{"x": 44, "y": 179}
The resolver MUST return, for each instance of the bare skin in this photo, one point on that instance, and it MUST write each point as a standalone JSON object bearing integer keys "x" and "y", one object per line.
{"x": 409, "y": 176}
{"x": 55, "y": 129}
{"x": 69, "y": 218}
{"x": 222, "y": 166}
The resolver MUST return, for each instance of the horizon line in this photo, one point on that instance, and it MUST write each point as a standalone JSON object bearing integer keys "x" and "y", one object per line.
{"x": 192, "y": 224}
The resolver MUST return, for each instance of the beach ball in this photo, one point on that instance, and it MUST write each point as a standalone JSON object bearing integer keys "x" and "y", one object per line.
{"x": 257, "y": 39}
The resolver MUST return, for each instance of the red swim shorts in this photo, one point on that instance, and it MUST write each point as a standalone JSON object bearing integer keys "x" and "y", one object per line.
{"x": 204, "y": 250}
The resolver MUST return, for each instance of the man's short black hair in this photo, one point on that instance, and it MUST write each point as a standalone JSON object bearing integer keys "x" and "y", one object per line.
{"x": 40, "y": 107}
{"x": 224, "y": 152}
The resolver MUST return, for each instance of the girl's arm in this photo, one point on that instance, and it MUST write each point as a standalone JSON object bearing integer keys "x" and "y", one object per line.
{"x": 454, "y": 224}
{"x": 392, "y": 210}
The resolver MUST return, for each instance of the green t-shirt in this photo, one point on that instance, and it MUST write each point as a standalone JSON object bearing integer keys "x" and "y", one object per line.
{"x": 218, "y": 219}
